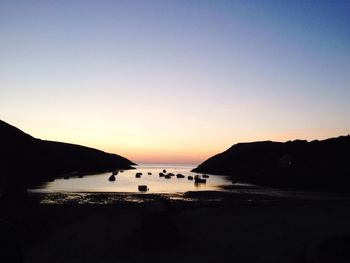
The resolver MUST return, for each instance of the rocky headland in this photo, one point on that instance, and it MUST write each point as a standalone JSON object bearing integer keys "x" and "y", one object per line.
{"x": 26, "y": 160}
{"x": 316, "y": 165}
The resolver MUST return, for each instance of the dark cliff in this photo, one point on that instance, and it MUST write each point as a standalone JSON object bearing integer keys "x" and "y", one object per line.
{"x": 319, "y": 165}
{"x": 25, "y": 160}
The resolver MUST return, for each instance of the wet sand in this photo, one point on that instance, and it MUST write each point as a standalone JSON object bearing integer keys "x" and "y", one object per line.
{"x": 198, "y": 227}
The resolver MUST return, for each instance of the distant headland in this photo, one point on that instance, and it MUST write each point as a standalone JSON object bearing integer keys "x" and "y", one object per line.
{"x": 316, "y": 165}
{"x": 26, "y": 160}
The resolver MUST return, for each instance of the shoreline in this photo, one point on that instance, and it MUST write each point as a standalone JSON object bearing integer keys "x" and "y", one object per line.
{"x": 242, "y": 194}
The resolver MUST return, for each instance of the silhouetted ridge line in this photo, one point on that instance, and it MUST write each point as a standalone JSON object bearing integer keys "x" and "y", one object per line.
{"x": 26, "y": 160}
{"x": 319, "y": 165}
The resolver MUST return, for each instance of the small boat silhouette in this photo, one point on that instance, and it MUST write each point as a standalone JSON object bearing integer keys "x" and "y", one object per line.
{"x": 143, "y": 188}
{"x": 199, "y": 180}
{"x": 180, "y": 176}
{"x": 111, "y": 178}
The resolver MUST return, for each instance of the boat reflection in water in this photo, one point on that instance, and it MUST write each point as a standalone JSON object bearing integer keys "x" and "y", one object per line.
{"x": 176, "y": 179}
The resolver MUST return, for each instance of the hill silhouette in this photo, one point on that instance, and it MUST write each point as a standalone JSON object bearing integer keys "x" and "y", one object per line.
{"x": 26, "y": 160}
{"x": 318, "y": 165}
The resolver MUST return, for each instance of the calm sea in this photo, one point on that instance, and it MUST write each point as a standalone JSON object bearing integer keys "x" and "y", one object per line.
{"x": 126, "y": 182}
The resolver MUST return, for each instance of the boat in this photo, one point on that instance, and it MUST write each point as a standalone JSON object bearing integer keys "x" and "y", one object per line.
{"x": 143, "y": 188}
{"x": 111, "y": 178}
{"x": 180, "y": 176}
{"x": 199, "y": 180}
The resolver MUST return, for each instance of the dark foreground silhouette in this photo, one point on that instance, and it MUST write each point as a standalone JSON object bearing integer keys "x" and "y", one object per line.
{"x": 318, "y": 165}
{"x": 26, "y": 160}
{"x": 235, "y": 228}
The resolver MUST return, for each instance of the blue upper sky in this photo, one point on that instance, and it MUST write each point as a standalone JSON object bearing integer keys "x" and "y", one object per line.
{"x": 175, "y": 80}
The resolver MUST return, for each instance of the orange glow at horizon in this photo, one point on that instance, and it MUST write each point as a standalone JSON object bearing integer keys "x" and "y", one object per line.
{"x": 175, "y": 81}
{"x": 186, "y": 146}
{"x": 166, "y": 157}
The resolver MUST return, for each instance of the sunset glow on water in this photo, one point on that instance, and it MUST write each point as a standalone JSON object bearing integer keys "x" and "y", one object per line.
{"x": 127, "y": 182}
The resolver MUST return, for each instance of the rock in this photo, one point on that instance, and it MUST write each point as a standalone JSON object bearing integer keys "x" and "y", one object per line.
{"x": 164, "y": 171}
{"x": 190, "y": 177}
{"x": 149, "y": 173}
{"x": 161, "y": 175}
{"x": 167, "y": 176}
{"x": 66, "y": 177}
{"x": 180, "y": 176}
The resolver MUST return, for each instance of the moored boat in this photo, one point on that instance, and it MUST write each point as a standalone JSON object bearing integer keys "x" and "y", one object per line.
{"x": 199, "y": 180}
{"x": 180, "y": 176}
{"x": 143, "y": 188}
{"x": 111, "y": 178}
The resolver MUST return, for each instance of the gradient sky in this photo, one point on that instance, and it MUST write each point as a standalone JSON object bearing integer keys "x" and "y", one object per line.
{"x": 175, "y": 81}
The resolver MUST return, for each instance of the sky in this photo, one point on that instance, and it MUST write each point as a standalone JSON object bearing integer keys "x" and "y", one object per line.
{"x": 175, "y": 81}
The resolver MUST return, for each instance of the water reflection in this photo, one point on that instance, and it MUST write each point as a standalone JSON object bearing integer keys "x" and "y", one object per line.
{"x": 128, "y": 181}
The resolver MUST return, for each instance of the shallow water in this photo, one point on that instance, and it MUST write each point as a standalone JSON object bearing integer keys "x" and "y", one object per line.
{"x": 126, "y": 182}
{"x": 96, "y": 189}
